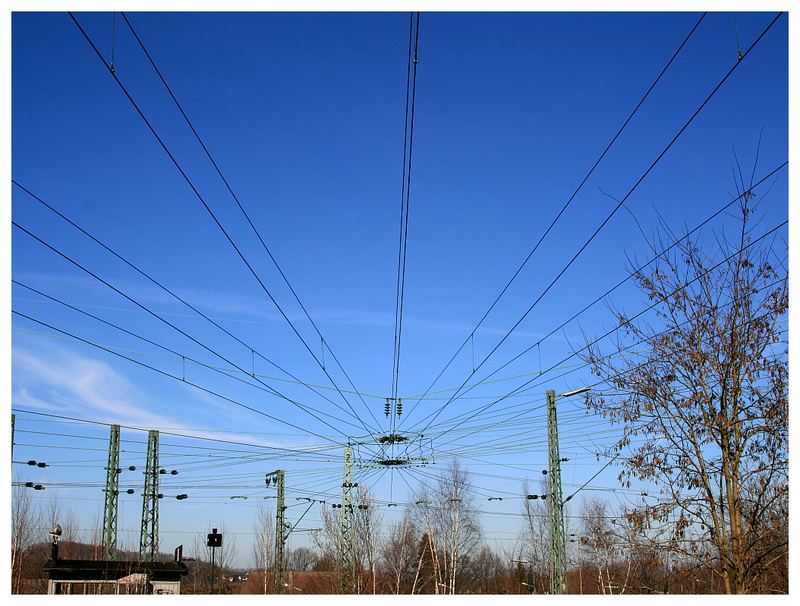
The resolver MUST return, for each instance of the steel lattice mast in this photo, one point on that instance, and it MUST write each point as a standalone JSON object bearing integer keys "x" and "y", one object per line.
{"x": 557, "y": 540}
{"x": 348, "y": 538}
{"x": 148, "y": 539}
{"x": 279, "y": 478}
{"x": 110, "y": 508}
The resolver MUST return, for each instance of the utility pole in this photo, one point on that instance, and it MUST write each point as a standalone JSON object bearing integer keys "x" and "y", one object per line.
{"x": 13, "y": 418}
{"x": 148, "y": 539}
{"x": 348, "y": 544}
{"x": 110, "y": 507}
{"x": 279, "y": 478}
{"x": 558, "y": 551}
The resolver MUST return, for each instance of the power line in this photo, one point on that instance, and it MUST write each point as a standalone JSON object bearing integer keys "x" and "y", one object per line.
{"x": 167, "y": 322}
{"x": 566, "y": 204}
{"x": 173, "y": 294}
{"x": 657, "y": 302}
{"x": 171, "y": 376}
{"x": 181, "y": 356}
{"x": 402, "y": 253}
{"x": 494, "y": 418}
{"x": 616, "y": 286}
{"x": 216, "y": 220}
{"x": 241, "y": 208}
{"x": 616, "y": 208}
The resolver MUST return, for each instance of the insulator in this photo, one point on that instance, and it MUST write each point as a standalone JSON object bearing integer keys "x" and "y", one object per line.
{"x": 162, "y": 471}
{"x": 119, "y": 470}
{"x": 28, "y": 484}
{"x": 38, "y": 487}
{"x": 31, "y": 463}
{"x": 41, "y": 465}
{"x": 174, "y": 472}
{"x": 399, "y": 407}
{"x": 160, "y": 496}
{"x": 129, "y": 491}
{"x": 386, "y": 407}
{"x": 132, "y": 468}
{"x": 544, "y": 472}
{"x": 533, "y": 496}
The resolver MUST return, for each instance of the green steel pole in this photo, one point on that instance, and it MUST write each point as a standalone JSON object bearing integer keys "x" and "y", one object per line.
{"x": 347, "y": 547}
{"x": 110, "y": 507}
{"x": 148, "y": 539}
{"x": 558, "y": 549}
{"x": 280, "y": 531}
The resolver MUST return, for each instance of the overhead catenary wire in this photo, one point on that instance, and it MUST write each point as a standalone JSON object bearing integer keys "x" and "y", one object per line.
{"x": 264, "y": 387}
{"x": 172, "y": 294}
{"x": 630, "y": 275}
{"x": 496, "y": 446}
{"x": 514, "y": 407}
{"x": 654, "y": 304}
{"x": 608, "y": 218}
{"x": 205, "y": 205}
{"x": 565, "y": 206}
{"x": 171, "y": 376}
{"x": 165, "y": 321}
{"x": 405, "y": 199}
{"x": 239, "y": 204}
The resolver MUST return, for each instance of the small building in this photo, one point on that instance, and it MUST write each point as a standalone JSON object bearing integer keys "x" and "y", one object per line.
{"x": 114, "y": 576}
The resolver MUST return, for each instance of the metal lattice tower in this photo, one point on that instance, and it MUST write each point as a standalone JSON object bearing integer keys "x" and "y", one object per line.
{"x": 279, "y": 478}
{"x": 348, "y": 544}
{"x": 110, "y": 507}
{"x": 148, "y": 539}
{"x": 558, "y": 551}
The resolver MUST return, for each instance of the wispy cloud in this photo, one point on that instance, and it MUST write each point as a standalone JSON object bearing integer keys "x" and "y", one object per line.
{"x": 57, "y": 380}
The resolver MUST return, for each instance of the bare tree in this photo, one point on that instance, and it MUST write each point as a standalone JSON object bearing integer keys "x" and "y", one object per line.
{"x": 368, "y": 521}
{"x": 606, "y": 548}
{"x": 534, "y": 554}
{"x": 55, "y": 513}
{"x": 327, "y": 540}
{"x": 426, "y": 518}
{"x": 24, "y": 533}
{"x": 399, "y": 553}
{"x": 264, "y": 543}
{"x": 300, "y": 559}
{"x": 458, "y": 526}
{"x": 705, "y": 391}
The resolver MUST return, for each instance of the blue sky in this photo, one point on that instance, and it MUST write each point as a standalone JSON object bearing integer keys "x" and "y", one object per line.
{"x": 304, "y": 115}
